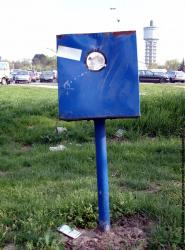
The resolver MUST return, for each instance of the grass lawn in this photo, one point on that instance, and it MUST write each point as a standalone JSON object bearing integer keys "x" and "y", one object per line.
{"x": 40, "y": 190}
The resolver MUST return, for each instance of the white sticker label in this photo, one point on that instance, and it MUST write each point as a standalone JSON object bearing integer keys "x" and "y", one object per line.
{"x": 69, "y": 53}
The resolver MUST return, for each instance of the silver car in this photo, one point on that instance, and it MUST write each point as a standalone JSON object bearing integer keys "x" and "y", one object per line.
{"x": 47, "y": 76}
{"x": 176, "y": 76}
{"x": 23, "y": 76}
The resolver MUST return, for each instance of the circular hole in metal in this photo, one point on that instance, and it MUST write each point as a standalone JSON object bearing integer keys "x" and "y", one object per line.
{"x": 95, "y": 61}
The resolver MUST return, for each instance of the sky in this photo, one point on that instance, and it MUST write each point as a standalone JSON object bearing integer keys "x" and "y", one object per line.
{"x": 29, "y": 27}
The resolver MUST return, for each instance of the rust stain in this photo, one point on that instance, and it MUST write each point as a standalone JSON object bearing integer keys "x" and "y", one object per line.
{"x": 123, "y": 33}
{"x": 116, "y": 33}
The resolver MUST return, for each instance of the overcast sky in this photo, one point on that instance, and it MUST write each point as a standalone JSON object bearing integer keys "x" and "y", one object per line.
{"x": 30, "y": 26}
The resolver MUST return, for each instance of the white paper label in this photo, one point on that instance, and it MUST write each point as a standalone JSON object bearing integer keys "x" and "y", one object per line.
{"x": 69, "y": 53}
{"x": 65, "y": 229}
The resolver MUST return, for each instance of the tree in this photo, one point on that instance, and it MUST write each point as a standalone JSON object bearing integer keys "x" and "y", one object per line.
{"x": 156, "y": 66}
{"x": 172, "y": 64}
{"x": 24, "y": 64}
{"x": 42, "y": 62}
{"x": 182, "y": 66}
{"x": 39, "y": 59}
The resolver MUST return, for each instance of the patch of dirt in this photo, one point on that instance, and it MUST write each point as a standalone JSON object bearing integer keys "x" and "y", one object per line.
{"x": 26, "y": 147}
{"x": 128, "y": 233}
{"x": 3, "y": 173}
{"x": 30, "y": 127}
{"x": 153, "y": 188}
{"x": 117, "y": 139}
{"x": 9, "y": 247}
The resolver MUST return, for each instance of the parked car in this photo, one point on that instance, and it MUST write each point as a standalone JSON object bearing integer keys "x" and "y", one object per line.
{"x": 13, "y": 73}
{"x": 47, "y": 76}
{"x": 4, "y": 73}
{"x": 22, "y": 76}
{"x": 32, "y": 76}
{"x": 11, "y": 78}
{"x": 37, "y": 75}
{"x": 155, "y": 77}
{"x": 176, "y": 76}
{"x": 55, "y": 74}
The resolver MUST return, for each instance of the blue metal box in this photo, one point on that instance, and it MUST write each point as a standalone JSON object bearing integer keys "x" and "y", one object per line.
{"x": 98, "y": 76}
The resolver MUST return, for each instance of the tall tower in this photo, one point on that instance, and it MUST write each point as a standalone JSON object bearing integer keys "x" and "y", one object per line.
{"x": 151, "y": 37}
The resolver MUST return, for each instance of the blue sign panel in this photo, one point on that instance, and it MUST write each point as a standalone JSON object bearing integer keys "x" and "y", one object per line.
{"x": 98, "y": 76}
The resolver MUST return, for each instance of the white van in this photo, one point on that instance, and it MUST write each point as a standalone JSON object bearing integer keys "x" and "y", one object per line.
{"x": 4, "y": 72}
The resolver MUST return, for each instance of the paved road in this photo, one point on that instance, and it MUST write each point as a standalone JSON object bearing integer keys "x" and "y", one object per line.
{"x": 177, "y": 84}
{"x": 50, "y": 85}
{"x": 55, "y": 85}
{"x": 45, "y": 84}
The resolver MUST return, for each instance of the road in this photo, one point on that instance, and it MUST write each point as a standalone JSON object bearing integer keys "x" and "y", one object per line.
{"x": 52, "y": 85}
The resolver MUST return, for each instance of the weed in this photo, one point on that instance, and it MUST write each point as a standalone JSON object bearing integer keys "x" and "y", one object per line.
{"x": 42, "y": 190}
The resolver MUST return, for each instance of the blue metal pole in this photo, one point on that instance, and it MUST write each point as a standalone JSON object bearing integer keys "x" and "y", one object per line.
{"x": 102, "y": 174}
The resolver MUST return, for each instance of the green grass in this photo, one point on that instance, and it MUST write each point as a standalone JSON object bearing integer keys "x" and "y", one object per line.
{"x": 40, "y": 190}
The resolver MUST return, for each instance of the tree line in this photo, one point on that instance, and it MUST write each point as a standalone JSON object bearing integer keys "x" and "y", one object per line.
{"x": 42, "y": 62}
{"x": 170, "y": 65}
{"x": 39, "y": 62}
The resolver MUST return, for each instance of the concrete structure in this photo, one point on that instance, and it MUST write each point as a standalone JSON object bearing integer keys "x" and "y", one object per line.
{"x": 151, "y": 37}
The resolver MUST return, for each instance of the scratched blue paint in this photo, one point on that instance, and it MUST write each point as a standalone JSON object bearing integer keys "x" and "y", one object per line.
{"x": 112, "y": 92}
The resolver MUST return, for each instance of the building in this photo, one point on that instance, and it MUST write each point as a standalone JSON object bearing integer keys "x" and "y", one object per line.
{"x": 151, "y": 38}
